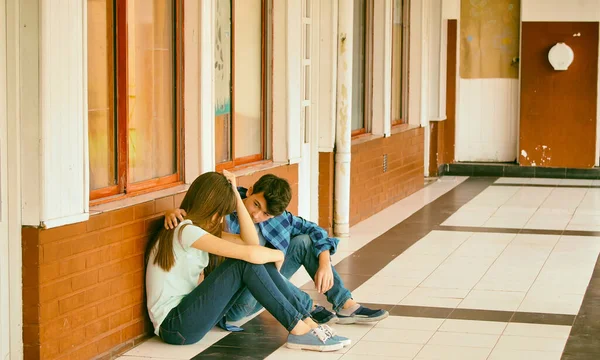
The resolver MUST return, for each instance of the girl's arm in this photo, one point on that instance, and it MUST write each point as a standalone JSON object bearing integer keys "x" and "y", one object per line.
{"x": 247, "y": 230}
{"x": 255, "y": 254}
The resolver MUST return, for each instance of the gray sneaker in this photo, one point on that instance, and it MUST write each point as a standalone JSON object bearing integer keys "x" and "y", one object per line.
{"x": 316, "y": 340}
{"x": 333, "y": 335}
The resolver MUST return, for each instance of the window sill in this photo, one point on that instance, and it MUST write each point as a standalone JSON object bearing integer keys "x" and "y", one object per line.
{"x": 400, "y": 128}
{"x": 249, "y": 169}
{"x": 363, "y": 138}
{"x": 137, "y": 199}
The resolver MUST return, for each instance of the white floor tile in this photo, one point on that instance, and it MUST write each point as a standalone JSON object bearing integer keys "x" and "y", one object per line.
{"x": 371, "y": 357}
{"x": 513, "y": 180}
{"x": 492, "y": 300}
{"x": 473, "y": 327}
{"x": 284, "y": 353}
{"x": 156, "y": 348}
{"x": 435, "y": 297}
{"x": 399, "y": 336}
{"x": 464, "y": 339}
{"x": 443, "y": 352}
{"x": 577, "y": 182}
{"x": 381, "y": 294}
{"x": 552, "y": 303}
{"x": 500, "y": 354}
{"x": 537, "y": 330}
{"x": 377, "y": 348}
{"x": 530, "y": 343}
{"x": 410, "y": 323}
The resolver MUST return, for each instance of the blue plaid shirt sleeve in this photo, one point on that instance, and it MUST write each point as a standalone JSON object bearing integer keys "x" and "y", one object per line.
{"x": 319, "y": 237}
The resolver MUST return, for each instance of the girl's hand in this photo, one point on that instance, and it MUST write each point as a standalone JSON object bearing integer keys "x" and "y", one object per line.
{"x": 173, "y": 217}
{"x": 231, "y": 177}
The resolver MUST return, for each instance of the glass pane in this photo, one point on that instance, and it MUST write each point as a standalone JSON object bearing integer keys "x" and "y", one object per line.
{"x": 358, "y": 65}
{"x": 151, "y": 89}
{"x": 397, "y": 61}
{"x": 248, "y": 77}
{"x": 223, "y": 82}
{"x": 101, "y": 98}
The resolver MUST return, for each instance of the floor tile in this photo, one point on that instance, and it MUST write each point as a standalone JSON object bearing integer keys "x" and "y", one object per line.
{"x": 502, "y": 354}
{"x": 530, "y": 343}
{"x": 435, "y": 297}
{"x": 549, "y": 331}
{"x": 464, "y": 339}
{"x": 381, "y": 294}
{"x": 378, "y": 348}
{"x": 443, "y": 352}
{"x": 399, "y": 335}
{"x": 156, "y": 348}
{"x": 284, "y": 353}
{"x": 410, "y": 323}
{"x": 473, "y": 327}
{"x": 371, "y": 357}
{"x": 492, "y": 300}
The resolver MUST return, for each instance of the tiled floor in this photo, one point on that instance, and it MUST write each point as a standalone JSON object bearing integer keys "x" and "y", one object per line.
{"x": 476, "y": 269}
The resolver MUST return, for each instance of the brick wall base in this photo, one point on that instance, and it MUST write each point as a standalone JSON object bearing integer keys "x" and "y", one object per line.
{"x": 374, "y": 188}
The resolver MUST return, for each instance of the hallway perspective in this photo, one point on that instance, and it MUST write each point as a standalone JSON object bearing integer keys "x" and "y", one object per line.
{"x": 469, "y": 268}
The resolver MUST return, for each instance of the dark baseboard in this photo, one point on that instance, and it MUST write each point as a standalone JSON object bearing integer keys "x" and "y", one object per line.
{"x": 513, "y": 170}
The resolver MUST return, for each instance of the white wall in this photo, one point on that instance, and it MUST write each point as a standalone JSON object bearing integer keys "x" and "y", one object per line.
{"x": 560, "y": 10}
{"x": 11, "y": 314}
{"x": 487, "y": 124}
{"x": 53, "y": 73}
{"x": 487, "y": 111}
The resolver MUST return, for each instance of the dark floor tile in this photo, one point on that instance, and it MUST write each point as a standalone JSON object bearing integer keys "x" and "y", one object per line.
{"x": 519, "y": 171}
{"x": 481, "y": 315}
{"x": 477, "y": 229}
{"x": 235, "y": 353}
{"x": 541, "y": 231}
{"x": 581, "y": 233}
{"x": 252, "y": 340}
{"x": 557, "y": 173}
{"x": 488, "y": 170}
{"x": 421, "y": 311}
{"x": 583, "y": 173}
{"x": 545, "y": 319}
{"x": 378, "y": 306}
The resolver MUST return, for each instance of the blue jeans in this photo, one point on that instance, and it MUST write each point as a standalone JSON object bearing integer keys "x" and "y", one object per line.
{"x": 200, "y": 310}
{"x": 300, "y": 253}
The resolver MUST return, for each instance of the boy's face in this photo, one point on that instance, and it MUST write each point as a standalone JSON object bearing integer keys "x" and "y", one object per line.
{"x": 257, "y": 207}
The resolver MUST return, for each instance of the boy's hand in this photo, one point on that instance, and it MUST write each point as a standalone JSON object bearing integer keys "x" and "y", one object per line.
{"x": 173, "y": 217}
{"x": 324, "y": 279}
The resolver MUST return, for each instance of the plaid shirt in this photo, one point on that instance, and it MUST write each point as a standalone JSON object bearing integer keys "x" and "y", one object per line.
{"x": 279, "y": 230}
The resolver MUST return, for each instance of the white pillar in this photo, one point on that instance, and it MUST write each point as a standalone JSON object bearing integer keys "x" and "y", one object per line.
{"x": 341, "y": 207}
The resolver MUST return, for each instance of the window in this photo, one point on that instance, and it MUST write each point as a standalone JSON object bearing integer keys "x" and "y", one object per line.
{"x": 361, "y": 66}
{"x": 399, "y": 61}
{"x": 134, "y": 65}
{"x": 240, "y": 82}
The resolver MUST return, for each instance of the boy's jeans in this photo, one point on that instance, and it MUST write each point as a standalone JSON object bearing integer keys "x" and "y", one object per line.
{"x": 300, "y": 253}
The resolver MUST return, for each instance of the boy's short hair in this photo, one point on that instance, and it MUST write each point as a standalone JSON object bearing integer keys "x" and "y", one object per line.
{"x": 277, "y": 193}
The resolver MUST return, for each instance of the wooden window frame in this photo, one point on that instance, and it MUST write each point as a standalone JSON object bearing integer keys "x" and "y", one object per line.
{"x": 124, "y": 188}
{"x": 248, "y": 160}
{"x": 405, "y": 63}
{"x": 368, "y": 72}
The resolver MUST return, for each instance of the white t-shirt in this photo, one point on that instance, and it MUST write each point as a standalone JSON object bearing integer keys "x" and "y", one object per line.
{"x": 165, "y": 290}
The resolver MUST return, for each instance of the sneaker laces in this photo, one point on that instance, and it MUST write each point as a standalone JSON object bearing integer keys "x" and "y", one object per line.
{"x": 321, "y": 334}
{"x": 328, "y": 330}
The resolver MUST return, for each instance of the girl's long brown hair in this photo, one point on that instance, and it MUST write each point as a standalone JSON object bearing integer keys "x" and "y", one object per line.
{"x": 209, "y": 195}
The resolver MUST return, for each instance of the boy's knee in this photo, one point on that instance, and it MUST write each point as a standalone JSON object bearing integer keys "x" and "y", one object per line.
{"x": 301, "y": 241}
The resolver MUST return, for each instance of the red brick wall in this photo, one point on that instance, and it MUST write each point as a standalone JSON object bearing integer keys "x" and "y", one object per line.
{"x": 326, "y": 171}
{"x": 83, "y": 284}
{"x": 372, "y": 189}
